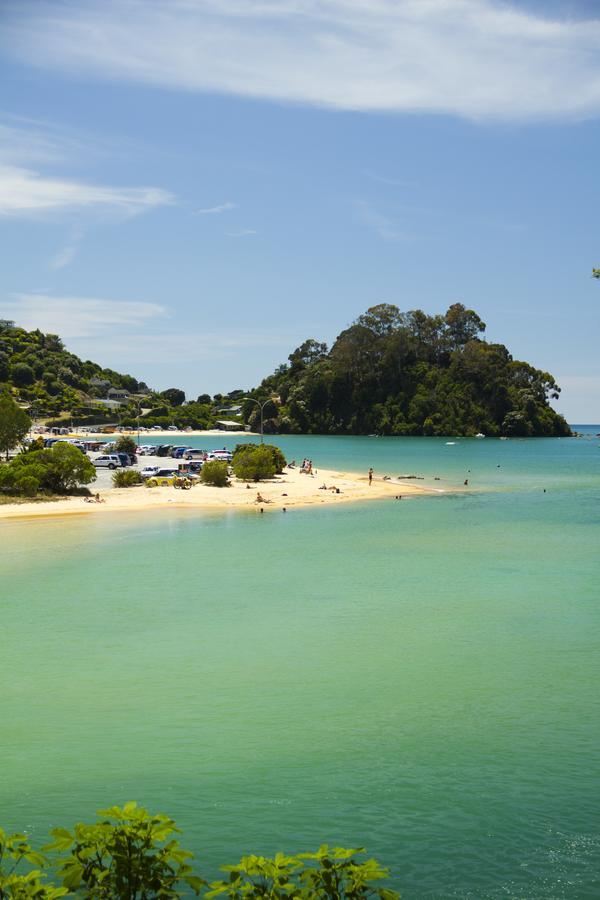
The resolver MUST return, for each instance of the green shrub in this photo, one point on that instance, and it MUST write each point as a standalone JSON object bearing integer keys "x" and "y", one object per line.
{"x": 254, "y": 462}
{"x": 131, "y": 854}
{"x": 126, "y": 478}
{"x": 279, "y": 460}
{"x": 215, "y": 472}
{"x": 128, "y": 854}
{"x": 28, "y": 485}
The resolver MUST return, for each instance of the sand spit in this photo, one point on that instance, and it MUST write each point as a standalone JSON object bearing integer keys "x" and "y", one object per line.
{"x": 292, "y": 489}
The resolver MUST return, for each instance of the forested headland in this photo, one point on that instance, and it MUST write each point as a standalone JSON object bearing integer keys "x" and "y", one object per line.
{"x": 409, "y": 373}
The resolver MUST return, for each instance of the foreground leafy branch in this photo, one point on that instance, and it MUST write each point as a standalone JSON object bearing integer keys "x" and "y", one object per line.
{"x": 131, "y": 854}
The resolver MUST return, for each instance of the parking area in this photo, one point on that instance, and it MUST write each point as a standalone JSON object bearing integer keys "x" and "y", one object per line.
{"x": 104, "y": 475}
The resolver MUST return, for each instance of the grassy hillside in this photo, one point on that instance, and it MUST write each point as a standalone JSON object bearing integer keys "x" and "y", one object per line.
{"x": 53, "y": 383}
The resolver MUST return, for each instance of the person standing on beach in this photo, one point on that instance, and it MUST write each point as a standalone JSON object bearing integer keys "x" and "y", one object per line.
{"x": 370, "y": 476}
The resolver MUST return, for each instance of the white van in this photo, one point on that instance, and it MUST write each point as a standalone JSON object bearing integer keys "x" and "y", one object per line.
{"x": 108, "y": 461}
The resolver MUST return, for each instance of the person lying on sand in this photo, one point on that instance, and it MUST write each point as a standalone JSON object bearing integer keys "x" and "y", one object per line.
{"x": 261, "y": 499}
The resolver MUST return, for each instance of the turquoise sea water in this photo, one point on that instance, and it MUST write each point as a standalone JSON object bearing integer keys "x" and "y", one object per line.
{"x": 420, "y": 678}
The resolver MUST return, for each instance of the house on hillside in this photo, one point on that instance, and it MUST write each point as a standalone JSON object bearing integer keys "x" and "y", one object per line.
{"x": 101, "y": 383}
{"x": 110, "y": 404}
{"x": 228, "y": 425}
{"x": 117, "y": 394}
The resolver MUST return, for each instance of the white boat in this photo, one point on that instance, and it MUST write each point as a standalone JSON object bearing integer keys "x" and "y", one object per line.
{"x": 480, "y": 435}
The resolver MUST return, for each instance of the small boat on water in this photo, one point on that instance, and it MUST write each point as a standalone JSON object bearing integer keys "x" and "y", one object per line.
{"x": 480, "y": 435}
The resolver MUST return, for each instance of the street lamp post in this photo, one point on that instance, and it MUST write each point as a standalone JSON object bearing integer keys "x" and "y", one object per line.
{"x": 261, "y": 406}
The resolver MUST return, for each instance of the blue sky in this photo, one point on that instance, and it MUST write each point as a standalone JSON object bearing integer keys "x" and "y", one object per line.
{"x": 189, "y": 189}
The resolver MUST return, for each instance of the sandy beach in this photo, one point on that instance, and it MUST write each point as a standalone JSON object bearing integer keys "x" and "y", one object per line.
{"x": 289, "y": 490}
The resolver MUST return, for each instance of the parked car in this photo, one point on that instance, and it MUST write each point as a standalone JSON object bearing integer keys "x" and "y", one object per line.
{"x": 148, "y": 471}
{"x": 191, "y": 468}
{"x": 125, "y": 458}
{"x": 108, "y": 461}
{"x": 164, "y": 449}
{"x": 220, "y": 454}
{"x": 177, "y": 452}
{"x": 175, "y": 480}
{"x": 193, "y": 453}
{"x": 161, "y": 473}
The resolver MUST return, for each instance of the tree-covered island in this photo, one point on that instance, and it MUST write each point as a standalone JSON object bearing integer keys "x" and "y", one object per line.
{"x": 409, "y": 373}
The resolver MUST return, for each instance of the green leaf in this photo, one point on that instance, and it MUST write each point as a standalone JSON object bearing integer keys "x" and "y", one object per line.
{"x": 195, "y": 882}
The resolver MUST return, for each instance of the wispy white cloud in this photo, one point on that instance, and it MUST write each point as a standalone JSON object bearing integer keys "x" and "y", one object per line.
{"x": 391, "y": 182}
{"x": 473, "y": 58}
{"x": 193, "y": 346}
{"x": 382, "y": 225}
{"x": 67, "y": 253}
{"x": 25, "y": 141}
{"x": 243, "y": 232}
{"x": 28, "y": 144}
{"x": 78, "y": 317}
{"x": 27, "y": 192}
{"x": 215, "y": 210}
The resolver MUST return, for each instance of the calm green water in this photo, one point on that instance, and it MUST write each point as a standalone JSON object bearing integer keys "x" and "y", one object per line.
{"x": 417, "y": 677}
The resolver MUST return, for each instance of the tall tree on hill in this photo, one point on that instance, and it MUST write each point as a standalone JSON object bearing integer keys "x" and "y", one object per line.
{"x": 14, "y": 424}
{"x": 173, "y": 396}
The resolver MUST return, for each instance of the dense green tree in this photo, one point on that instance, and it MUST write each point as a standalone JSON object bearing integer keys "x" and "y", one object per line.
{"x": 58, "y": 470}
{"x": 22, "y": 374}
{"x": 125, "y": 444}
{"x": 4, "y": 366}
{"x": 253, "y": 463}
{"x": 14, "y": 424}
{"x": 173, "y": 396}
{"x": 309, "y": 352}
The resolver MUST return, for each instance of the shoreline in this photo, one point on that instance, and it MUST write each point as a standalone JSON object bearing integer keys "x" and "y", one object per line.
{"x": 290, "y": 490}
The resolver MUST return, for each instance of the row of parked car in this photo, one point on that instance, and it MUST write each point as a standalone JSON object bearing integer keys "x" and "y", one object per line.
{"x": 193, "y": 456}
{"x": 183, "y": 452}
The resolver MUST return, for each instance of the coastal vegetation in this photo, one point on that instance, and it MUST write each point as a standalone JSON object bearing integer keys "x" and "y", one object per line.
{"x": 50, "y": 383}
{"x": 61, "y": 469}
{"x": 389, "y": 373}
{"x": 131, "y": 854}
{"x": 215, "y": 473}
{"x": 126, "y": 478}
{"x": 254, "y": 462}
{"x": 14, "y": 424}
{"x": 409, "y": 373}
